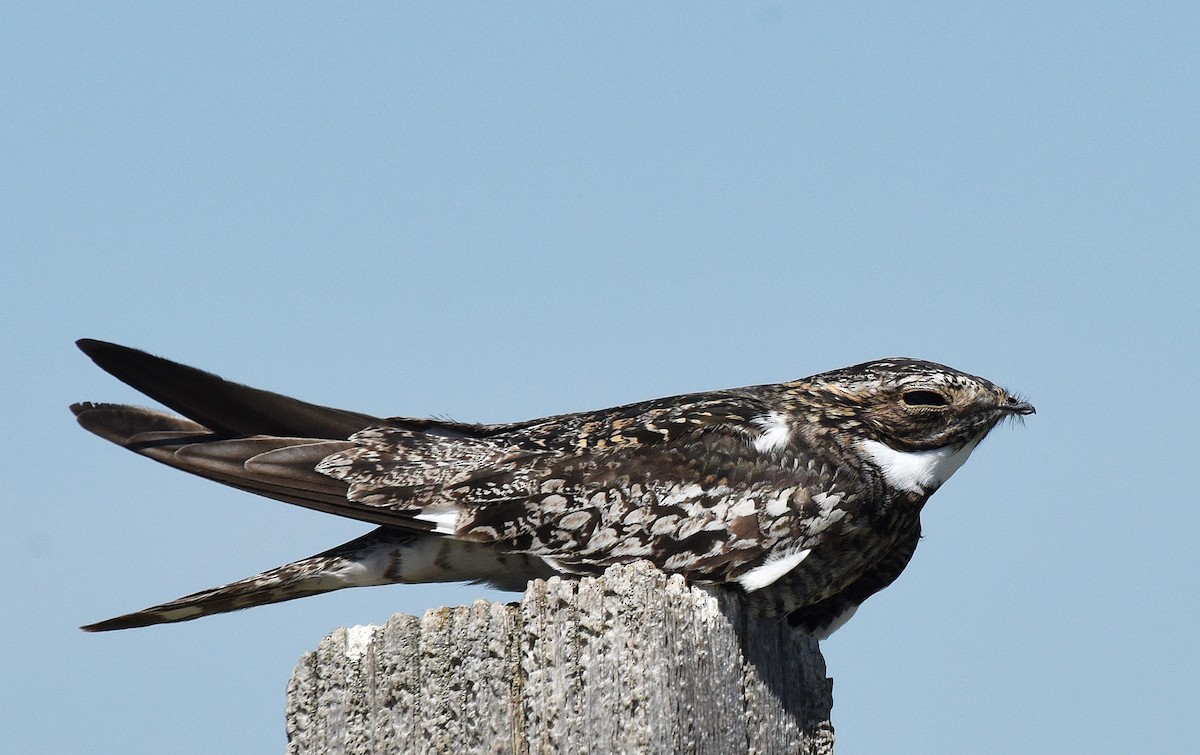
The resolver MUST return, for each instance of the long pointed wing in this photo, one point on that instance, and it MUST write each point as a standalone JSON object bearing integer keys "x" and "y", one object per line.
{"x": 384, "y": 556}
{"x": 250, "y": 439}
{"x": 678, "y": 481}
{"x": 221, "y": 406}
{"x": 385, "y": 471}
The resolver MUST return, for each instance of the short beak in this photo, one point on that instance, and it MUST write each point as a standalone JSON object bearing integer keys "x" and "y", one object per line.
{"x": 1018, "y": 407}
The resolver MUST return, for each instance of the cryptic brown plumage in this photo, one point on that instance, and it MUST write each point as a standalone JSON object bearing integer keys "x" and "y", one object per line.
{"x": 805, "y": 495}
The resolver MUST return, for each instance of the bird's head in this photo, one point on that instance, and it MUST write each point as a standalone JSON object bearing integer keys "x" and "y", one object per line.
{"x": 912, "y": 405}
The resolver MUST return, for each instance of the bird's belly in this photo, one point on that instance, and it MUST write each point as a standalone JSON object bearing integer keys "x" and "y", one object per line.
{"x": 831, "y": 566}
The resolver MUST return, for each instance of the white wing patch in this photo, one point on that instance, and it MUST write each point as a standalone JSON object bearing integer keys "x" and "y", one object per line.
{"x": 775, "y": 433}
{"x": 917, "y": 471}
{"x": 767, "y": 573}
{"x": 444, "y": 518}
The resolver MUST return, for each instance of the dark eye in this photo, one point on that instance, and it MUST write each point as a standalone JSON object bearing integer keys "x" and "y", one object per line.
{"x": 924, "y": 398}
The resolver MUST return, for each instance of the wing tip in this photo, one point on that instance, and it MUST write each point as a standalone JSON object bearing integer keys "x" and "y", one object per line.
{"x": 97, "y": 349}
{"x": 122, "y": 362}
{"x": 130, "y": 621}
{"x": 185, "y": 609}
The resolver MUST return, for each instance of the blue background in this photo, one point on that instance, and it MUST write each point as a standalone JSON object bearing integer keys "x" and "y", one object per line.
{"x": 501, "y": 211}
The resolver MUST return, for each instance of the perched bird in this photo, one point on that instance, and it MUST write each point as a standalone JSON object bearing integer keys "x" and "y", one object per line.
{"x": 805, "y": 496}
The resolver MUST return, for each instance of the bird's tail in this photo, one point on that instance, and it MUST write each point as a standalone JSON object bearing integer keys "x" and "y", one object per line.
{"x": 385, "y": 556}
{"x": 247, "y": 438}
{"x": 271, "y": 444}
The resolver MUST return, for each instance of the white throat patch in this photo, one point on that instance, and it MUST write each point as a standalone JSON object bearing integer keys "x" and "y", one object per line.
{"x": 917, "y": 471}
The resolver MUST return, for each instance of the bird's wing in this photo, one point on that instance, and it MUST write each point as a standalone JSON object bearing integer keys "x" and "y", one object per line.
{"x": 221, "y": 406}
{"x": 677, "y": 481}
{"x": 353, "y": 564}
{"x": 250, "y": 439}
{"x": 384, "y": 556}
{"x": 383, "y": 470}
{"x": 394, "y": 465}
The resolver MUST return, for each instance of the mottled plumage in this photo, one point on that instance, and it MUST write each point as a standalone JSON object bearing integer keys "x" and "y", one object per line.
{"x": 805, "y": 495}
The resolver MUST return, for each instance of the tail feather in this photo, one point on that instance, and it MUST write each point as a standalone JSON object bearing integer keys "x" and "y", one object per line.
{"x": 185, "y": 445}
{"x": 273, "y": 445}
{"x": 258, "y": 441}
{"x": 279, "y": 468}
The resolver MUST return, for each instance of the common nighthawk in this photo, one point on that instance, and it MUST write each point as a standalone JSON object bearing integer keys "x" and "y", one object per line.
{"x": 806, "y": 496}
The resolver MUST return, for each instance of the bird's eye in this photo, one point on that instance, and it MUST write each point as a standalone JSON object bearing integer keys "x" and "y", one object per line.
{"x": 924, "y": 398}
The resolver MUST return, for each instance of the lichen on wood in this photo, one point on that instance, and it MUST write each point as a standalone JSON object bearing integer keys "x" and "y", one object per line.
{"x": 629, "y": 661}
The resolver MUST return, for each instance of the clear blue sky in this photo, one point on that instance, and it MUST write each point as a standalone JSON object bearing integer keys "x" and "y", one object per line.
{"x": 495, "y": 212}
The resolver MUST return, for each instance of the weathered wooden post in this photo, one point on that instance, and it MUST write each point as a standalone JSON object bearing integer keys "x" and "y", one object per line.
{"x": 631, "y": 661}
